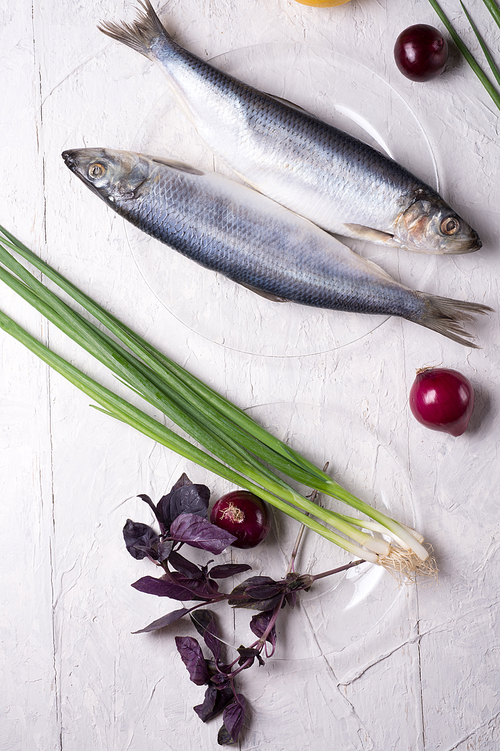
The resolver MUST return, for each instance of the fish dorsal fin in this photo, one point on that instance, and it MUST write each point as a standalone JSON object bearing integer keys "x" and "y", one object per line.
{"x": 174, "y": 164}
{"x": 360, "y": 232}
{"x": 265, "y": 295}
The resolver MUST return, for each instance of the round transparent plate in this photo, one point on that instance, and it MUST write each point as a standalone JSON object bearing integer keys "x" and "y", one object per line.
{"x": 340, "y": 91}
{"x": 342, "y": 609}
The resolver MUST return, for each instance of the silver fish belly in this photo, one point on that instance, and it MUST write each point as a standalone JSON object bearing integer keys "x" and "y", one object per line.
{"x": 231, "y": 228}
{"x": 322, "y": 173}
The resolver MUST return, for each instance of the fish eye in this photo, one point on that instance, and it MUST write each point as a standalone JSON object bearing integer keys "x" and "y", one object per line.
{"x": 96, "y": 170}
{"x": 450, "y": 225}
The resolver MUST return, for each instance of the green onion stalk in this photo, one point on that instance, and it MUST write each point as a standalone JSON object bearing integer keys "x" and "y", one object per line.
{"x": 224, "y": 439}
{"x": 467, "y": 54}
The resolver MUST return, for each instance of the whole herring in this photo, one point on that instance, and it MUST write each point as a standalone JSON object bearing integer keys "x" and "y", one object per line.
{"x": 231, "y": 228}
{"x": 322, "y": 173}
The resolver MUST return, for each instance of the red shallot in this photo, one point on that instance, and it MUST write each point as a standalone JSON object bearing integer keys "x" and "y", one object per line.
{"x": 421, "y": 52}
{"x": 244, "y": 515}
{"x": 442, "y": 399}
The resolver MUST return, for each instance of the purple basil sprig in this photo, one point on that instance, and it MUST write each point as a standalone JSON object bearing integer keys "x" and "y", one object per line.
{"x": 259, "y": 593}
{"x": 182, "y": 517}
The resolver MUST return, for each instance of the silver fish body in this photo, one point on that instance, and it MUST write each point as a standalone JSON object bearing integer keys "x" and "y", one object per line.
{"x": 232, "y": 229}
{"x": 322, "y": 173}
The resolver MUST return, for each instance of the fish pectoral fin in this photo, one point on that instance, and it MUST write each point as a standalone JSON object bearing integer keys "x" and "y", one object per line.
{"x": 292, "y": 105}
{"x": 265, "y": 295}
{"x": 361, "y": 232}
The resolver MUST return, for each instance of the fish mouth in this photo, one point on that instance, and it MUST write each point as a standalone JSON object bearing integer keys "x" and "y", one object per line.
{"x": 472, "y": 246}
{"x": 468, "y": 243}
{"x": 477, "y": 245}
{"x": 69, "y": 157}
{"x": 72, "y": 160}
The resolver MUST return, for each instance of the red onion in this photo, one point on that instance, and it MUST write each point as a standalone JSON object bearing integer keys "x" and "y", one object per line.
{"x": 442, "y": 399}
{"x": 244, "y": 515}
{"x": 421, "y": 52}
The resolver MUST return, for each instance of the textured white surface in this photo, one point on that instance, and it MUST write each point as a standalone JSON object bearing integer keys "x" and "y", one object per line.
{"x": 361, "y": 664}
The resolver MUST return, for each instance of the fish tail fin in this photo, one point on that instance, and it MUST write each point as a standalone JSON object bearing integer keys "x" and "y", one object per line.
{"x": 141, "y": 33}
{"x": 447, "y": 317}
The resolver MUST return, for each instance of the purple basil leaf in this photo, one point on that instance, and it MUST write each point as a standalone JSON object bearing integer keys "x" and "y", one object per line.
{"x": 177, "y": 587}
{"x": 190, "y": 499}
{"x": 202, "y": 619}
{"x": 234, "y": 714}
{"x": 291, "y": 598}
{"x": 184, "y": 498}
{"x": 264, "y": 588}
{"x": 264, "y": 592}
{"x": 215, "y": 701}
{"x": 256, "y": 581}
{"x": 224, "y": 736}
{"x": 205, "y": 710}
{"x": 220, "y": 679}
{"x": 259, "y": 625}
{"x": 200, "y": 589}
{"x": 206, "y": 625}
{"x": 165, "y": 620}
{"x": 183, "y": 480}
{"x": 150, "y": 503}
{"x": 164, "y": 550}
{"x": 192, "y": 657}
{"x": 228, "y": 569}
{"x": 162, "y": 510}
{"x": 185, "y": 566}
{"x": 262, "y": 605}
{"x": 199, "y": 533}
{"x": 257, "y": 593}
{"x": 152, "y": 586}
{"x": 248, "y": 654}
{"x": 140, "y": 540}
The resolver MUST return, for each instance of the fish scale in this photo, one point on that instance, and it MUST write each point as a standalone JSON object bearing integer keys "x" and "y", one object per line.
{"x": 230, "y": 228}
{"x": 309, "y": 166}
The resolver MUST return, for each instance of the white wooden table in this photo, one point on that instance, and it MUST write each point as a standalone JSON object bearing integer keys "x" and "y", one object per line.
{"x": 361, "y": 664}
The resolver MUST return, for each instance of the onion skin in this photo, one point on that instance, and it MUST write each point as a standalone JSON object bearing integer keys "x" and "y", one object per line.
{"x": 421, "y": 52}
{"x": 442, "y": 399}
{"x": 244, "y": 515}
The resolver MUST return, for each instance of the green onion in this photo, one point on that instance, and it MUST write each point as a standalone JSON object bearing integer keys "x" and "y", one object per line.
{"x": 494, "y": 94}
{"x": 239, "y": 449}
{"x": 480, "y": 39}
{"x": 494, "y": 10}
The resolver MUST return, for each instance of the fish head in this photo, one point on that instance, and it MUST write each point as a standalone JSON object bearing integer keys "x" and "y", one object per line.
{"x": 114, "y": 175}
{"x": 429, "y": 225}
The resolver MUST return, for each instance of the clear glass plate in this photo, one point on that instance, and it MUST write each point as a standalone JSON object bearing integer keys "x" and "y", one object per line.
{"x": 339, "y": 90}
{"x": 342, "y": 609}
